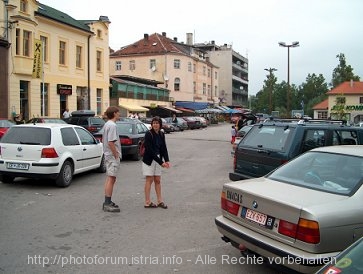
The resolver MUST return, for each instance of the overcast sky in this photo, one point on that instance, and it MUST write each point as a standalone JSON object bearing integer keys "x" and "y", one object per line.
{"x": 324, "y": 29}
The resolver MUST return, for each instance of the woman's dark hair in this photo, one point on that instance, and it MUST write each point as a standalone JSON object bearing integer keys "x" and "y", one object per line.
{"x": 157, "y": 119}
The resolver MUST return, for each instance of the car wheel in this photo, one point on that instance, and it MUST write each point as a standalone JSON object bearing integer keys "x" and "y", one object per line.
{"x": 65, "y": 175}
{"x": 102, "y": 167}
{"x": 6, "y": 179}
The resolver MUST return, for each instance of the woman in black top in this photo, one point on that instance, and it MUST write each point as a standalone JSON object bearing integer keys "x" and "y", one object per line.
{"x": 155, "y": 157}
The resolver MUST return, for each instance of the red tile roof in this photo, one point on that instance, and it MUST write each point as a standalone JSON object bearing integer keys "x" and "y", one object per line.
{"x": 154, "y": 44}
{"x": 348, "y": 88}
{"x": 321, "y": 105}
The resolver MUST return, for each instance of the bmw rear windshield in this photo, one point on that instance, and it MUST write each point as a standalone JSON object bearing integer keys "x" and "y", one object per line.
{"x": 27, "y": 136}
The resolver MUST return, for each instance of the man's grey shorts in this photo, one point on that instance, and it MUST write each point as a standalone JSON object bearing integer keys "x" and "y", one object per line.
{"x": 112, "y": 166}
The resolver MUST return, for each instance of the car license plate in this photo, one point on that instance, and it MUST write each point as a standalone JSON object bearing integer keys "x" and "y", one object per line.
{"x": 21, "y": 166}
{"x": 257, "y": 217}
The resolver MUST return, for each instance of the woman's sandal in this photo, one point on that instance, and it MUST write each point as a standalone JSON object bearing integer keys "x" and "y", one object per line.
{"x": 162, "y": 205}
{"x": 151, "y": 205}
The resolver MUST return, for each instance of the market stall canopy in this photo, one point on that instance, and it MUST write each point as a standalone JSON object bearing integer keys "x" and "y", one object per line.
{"x": 191, "y": 105}
{"x": 170, "y": 108}
{"x": 186, "y": 110}
{"x": 228, "y": 110}
{"x": 131, "y": 107}
{"x": 208, "y": 110}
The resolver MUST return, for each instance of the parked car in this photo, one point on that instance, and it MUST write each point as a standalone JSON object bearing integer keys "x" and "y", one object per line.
{"x": 131, "y": 133}
{"x": 52, "y": 151}
{"x": 239, "y": 136}
{"x": 192, "y": 122}
{"x": 300, "y": 215}
{"x": 273, "y": 143}
{"x": 167, "y": 127}
{"x": 5, "y": 124}
{"x": 348, "y": 261}
{"x": 202, "y": 120}
{"x": 181, "y": 123}
{"x": 86, "y": 119}
{"x": 45, "y": 120}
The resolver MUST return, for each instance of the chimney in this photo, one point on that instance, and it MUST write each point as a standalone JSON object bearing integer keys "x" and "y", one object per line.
{"x": 176, "y": 39}
{"x": 189, "y": 38}
{"x": 163, "y": 33}
{"x": 146, "y": 36}
{"x": 351, "y": 83}
{"x": 213, "y": 42}
{"x": 104, "y": 18}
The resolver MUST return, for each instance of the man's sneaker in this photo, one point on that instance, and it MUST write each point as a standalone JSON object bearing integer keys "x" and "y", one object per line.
{"x": 112, "y": 207}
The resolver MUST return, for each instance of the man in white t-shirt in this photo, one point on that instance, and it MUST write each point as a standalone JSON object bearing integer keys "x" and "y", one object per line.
{"x": 112, "y": 154}
{"x": 66, "y": 114}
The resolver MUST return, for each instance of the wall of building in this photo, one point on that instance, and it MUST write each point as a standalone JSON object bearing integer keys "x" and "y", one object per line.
{"x": 84, "y": 78}
{"x": 165, "y": 72}
{"x": 223, "y": 59}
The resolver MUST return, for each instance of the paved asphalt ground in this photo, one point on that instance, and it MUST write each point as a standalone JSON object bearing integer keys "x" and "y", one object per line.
{"x": 45, "y": 229}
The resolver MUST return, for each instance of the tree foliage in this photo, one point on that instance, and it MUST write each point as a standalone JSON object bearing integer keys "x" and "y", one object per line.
{"x": 305, "y": 96}
{"x": 343, "y": 72}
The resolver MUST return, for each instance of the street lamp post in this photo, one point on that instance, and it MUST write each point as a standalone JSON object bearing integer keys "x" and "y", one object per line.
{"x": 292, "y": 45}
{"x": 270, "y": 70}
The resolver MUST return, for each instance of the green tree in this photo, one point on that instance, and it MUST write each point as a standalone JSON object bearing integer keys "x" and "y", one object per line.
{"x": 312, "y": 92}
{"x": 343, "y": 72}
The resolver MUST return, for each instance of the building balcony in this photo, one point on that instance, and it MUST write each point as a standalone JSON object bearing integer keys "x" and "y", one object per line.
{"x": 239, "y": 67}
{"x": 240, "y": 80}
{"x": 240, "y": 91}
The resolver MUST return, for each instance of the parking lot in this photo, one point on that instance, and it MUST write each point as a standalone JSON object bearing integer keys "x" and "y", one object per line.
{"x": 45, "y": 229}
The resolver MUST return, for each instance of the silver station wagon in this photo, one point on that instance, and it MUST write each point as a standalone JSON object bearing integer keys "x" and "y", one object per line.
{"x": 52, "y": 151}
{"x": 302, "y": 214}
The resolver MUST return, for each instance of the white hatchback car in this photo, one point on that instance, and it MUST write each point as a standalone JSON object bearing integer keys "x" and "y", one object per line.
{"x": 52, "y": 151}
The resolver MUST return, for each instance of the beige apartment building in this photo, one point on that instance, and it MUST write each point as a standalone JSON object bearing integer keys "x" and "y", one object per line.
{"x": 233, "y": 78}
{"x": 72, "y": 60}
{"x": 181, "y": 68}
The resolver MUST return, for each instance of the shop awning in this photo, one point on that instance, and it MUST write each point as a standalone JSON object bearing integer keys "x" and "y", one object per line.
{"x": 208, "y": 110}
{"x": 228, "y": 110}
{"x": 185, "y": 110}
{"x": 191, "y": 105}
{"x": 171, "y": 109}
{"x": 131, "y": 107}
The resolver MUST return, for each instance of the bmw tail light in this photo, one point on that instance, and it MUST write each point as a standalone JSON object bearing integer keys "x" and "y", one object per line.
{"x": 288, "y": 229}
{"x": 228, "y": 205}
{"x": 49, "y": 153}
{"x": 126, "y": 141}
{"x": 306, "y": 230}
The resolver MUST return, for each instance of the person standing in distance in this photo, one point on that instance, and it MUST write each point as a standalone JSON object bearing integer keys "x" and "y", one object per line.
{"x": 155, "y": 157}
{"x": 112, "y": 154}
{"x": 66, "y": 114}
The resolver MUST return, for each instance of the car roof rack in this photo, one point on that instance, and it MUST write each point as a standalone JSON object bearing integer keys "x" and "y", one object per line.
{"x": 304, "y": 121}
{"x": 78, "y": 113}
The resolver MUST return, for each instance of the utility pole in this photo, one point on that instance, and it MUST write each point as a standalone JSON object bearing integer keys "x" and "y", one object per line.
{"x": 271, "y": 71}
